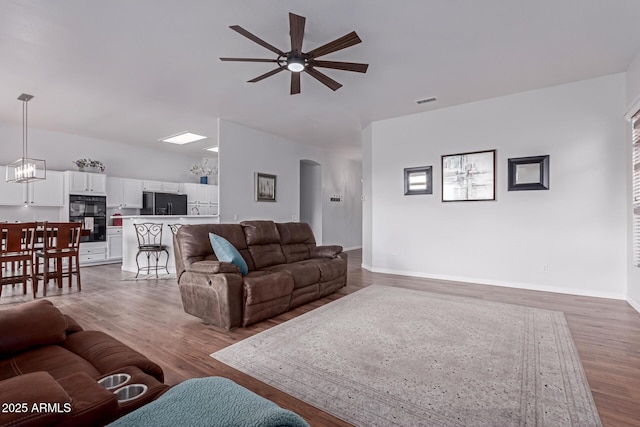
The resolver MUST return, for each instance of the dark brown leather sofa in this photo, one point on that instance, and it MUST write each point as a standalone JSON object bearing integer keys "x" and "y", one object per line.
{"x": 286, "y": 269}
{"x": 50, "y": 368}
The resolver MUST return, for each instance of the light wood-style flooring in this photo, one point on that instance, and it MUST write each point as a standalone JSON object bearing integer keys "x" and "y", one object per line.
{"x": 148, "y": 316}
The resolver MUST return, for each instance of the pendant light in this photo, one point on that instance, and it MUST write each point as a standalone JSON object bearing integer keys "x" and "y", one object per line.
{"x": 25, "y": 169}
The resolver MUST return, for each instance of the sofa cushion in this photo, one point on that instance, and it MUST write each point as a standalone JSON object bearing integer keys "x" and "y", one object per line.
{"x": 304, "y": 273}
{"x": 108, "y": 354}
{"x": 30, "y": 325}
{"x": 296, "y": 239}
{"x": 226, "y": 252}
{"x": 194, "y": 244}
{"x": 33, "y": 389}
{"x": 260, "y": 232}
{"x": 331, "y": 268}
{"x": 295, "y": 232}
{"x": 56, "y": 360}
{"x": 261, "y": 286}
{"x": 266, "y": 255}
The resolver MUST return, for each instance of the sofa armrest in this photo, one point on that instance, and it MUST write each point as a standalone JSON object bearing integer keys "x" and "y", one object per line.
{"x": 330, "y": 251}
{"x": 108, "y": 354}
{"x": 215, "y": 298}
{"x": 212, "y": 267}
{"x": 22, "y": 396}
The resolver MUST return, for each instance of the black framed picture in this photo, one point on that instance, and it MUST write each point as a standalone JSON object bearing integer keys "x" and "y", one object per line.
{"x": 265, "y": 187}
{"x": 529, "y": 173}
{"x": 418, "y": 180}
{"x": 469, "y": 176}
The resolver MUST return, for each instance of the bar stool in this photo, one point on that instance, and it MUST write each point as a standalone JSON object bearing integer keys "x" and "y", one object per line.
{"x": 61, "y": 240}
{"x": 149, "y": 236}
{"x": 17, "y": 247}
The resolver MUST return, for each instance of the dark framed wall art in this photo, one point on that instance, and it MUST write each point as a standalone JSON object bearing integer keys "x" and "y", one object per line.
{"x": 418, "y": 180}
{"x": 529, "y": 173}
{"x": 265, "y": 187}
{"x": 469, "y": 176}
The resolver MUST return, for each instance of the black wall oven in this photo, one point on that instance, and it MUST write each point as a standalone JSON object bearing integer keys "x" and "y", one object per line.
{"x": 91, "y": 211}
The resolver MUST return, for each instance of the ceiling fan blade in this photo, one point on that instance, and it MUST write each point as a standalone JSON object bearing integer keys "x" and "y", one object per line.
{"x": 323, "y": 78}
{"x": 269, "y": 74}
{"x": 338, "y": 44}
{"x": 248, "y": 60}
{"x": 296, "y": 31}
{"x": 295, "y": 83}
{"x": 247, "y": 34}
{"x": 337, "y": 65}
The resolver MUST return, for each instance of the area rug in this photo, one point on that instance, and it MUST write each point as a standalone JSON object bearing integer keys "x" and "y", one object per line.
{"x": 386, "y": 356}
{"x": 129, "y": 276}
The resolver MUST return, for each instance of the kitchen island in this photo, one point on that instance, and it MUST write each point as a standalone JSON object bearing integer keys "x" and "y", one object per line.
{"x": 130, "y": 241}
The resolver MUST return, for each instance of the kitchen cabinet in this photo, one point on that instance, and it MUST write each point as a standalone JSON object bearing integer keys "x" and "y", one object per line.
{"x": 162, "y": 187}
{"x": 47, "y": 192}
{"x": 202, "y": 199}
{"x": 94, "y": 184}
{"x": 93, "y": 253}
{"x": 124, "y": 193}
{"x": 114, "y": 243}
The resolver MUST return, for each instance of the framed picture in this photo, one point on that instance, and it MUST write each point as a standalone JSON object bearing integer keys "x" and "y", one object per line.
{"x": 529, "y": 173}
{"x": 418, "y": 180}
{"x": 469, "y": 176}
{"x": 265, "y": 187}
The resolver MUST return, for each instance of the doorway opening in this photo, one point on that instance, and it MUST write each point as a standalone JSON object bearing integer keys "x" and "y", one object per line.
{"x": 311, "y": 196}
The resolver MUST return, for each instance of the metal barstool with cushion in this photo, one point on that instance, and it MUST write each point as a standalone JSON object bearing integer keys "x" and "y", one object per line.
{"x": 60, "y": 240}
{"x": 150, "y": 243}
{"x": 17, "y": 247}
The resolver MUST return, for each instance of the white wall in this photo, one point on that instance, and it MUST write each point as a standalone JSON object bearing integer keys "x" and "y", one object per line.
{"x": 633, "y": 102}
{"x": 571, "y": 238}
{"x": 122, "y": 160}
{"x": 60, "y": 149}
{"x": 244, "y": 151}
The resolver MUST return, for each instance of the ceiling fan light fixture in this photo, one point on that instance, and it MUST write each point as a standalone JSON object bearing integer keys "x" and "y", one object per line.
{"x": 295, "y": 64}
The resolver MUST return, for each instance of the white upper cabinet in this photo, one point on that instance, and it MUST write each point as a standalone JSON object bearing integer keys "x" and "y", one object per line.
{"x": 171, "y": 187}
{"x": 162, "y": 187}
{"x": 132, "y": 193}
{"x": 124, "y": 193}
{"x": 155, "y": 186}
{"x": 47, "y": 192}
{"x": 86, "y": 183}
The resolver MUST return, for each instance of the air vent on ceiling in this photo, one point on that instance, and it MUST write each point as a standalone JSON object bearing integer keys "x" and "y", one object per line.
{"x": 426, "y": 100}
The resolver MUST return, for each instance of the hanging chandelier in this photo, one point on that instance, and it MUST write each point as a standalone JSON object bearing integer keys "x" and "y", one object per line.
{"x": 25, "y": 169}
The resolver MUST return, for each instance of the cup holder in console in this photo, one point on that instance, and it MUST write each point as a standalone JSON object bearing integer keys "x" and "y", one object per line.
{"x": 113, "y": 381}
{"x": 130, "y": 392}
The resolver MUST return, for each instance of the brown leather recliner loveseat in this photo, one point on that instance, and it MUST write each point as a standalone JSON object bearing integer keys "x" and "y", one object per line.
{"x": 50, "y": 368}
{"x": 285, "y": 270}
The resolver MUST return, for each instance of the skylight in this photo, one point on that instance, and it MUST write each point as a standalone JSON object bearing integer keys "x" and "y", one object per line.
{"x": 183, "y": 138}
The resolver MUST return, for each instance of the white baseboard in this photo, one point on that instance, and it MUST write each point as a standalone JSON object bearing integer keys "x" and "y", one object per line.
{"x": 633, "y": 303}
{"x": 528, "y": 286}
{"x": 366, "y": 267}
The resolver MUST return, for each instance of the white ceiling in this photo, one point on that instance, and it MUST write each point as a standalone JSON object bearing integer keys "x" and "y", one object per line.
{"x": 137, "y": 70}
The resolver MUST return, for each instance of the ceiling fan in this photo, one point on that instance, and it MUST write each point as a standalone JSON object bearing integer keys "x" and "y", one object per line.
{"x": 297, "y": 61}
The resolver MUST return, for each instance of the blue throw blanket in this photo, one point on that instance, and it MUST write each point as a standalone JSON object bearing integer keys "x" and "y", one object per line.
{"x": 210, "y": 402}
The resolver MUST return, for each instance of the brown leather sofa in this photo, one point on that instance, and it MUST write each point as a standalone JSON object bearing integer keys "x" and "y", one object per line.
{"x": 50, "y": 368}
{"x": 286, "y": 269}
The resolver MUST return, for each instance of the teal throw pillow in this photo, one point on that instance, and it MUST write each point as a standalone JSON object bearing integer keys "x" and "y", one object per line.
{"x": 226, "y": 252}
